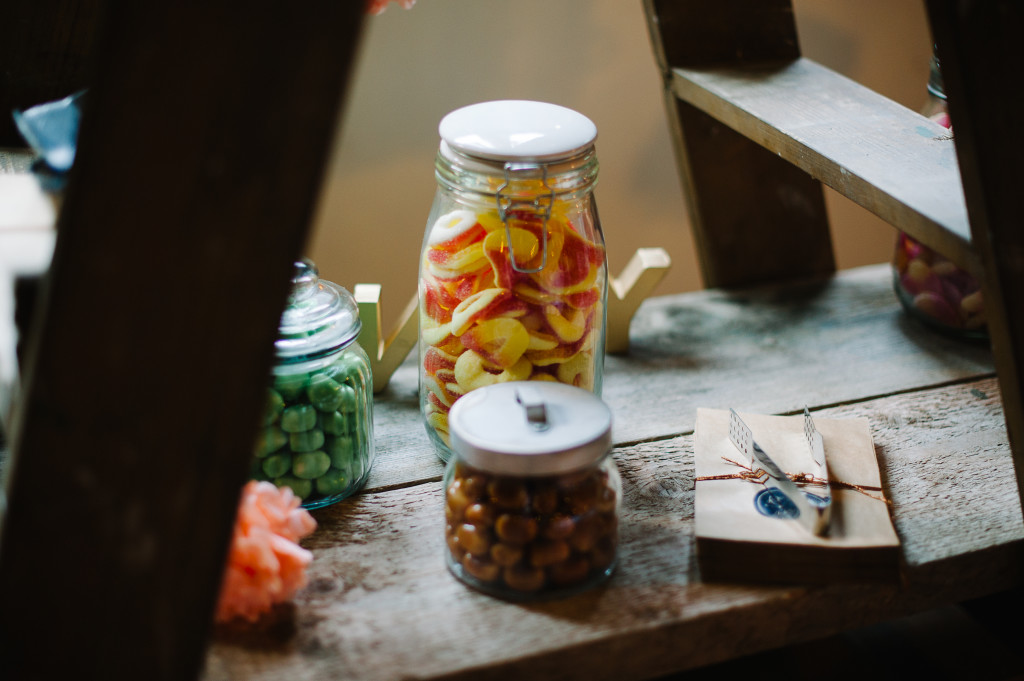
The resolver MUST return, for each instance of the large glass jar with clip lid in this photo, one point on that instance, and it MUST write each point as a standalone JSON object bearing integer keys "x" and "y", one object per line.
{"x": 317, "y": 430}
{"x": 513, "y": 277}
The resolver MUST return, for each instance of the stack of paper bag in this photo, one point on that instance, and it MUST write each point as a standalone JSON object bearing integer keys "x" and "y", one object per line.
{"x": 737, "y": 542}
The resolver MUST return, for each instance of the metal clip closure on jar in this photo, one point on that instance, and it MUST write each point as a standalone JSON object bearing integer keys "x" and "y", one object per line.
{"x": 513, "y": 274}
{"x": 531, "y": 492}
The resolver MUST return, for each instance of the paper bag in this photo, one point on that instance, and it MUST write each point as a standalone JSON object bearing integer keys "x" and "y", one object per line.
{"x": 737, "y": 539}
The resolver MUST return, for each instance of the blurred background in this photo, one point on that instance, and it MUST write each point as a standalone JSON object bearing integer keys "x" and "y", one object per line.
{"x": 590, "y": 55}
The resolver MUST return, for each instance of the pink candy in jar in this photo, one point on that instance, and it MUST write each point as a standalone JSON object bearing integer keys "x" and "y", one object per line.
{"x": 931, "y": 287}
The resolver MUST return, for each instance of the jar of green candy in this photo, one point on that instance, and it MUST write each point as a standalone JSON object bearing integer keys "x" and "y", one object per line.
{"x": 317, "y": 429}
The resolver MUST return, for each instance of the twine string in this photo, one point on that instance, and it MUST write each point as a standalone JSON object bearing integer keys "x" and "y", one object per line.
{"x": 759, "y": 476}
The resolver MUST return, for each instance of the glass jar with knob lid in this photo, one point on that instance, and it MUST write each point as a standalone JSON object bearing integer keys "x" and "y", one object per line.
{"x": 317, "y": 429}
{"x": 513, "y": 277}
{"x": 532, "y": 493}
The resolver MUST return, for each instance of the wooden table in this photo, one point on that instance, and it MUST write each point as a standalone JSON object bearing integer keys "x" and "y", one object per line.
{"x": 380, "y": 604}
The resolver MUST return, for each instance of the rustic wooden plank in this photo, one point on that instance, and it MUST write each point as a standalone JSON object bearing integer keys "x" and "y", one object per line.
{"x": 768, "y": 350}
{"x": 198, "y": 166}
{"x": 979, "y": 46}
{"x": 382, "y": 606}
{"x": 755, "y": 218}
{"x": 885, "y": 157}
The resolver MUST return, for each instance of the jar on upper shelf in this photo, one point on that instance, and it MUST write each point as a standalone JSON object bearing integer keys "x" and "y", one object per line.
{"x": 930, "y": 287}
{"x": 532, "y": 493}
{"x": 513, "y": 277}
{"x": 317, "y": 430}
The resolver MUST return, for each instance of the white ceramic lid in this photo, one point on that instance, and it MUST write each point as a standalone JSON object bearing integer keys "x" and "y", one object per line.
{"x": 530, "y": 428}
{"x": 511, "y": 130}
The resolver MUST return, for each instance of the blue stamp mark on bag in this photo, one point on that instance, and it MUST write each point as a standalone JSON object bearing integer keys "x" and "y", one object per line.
{"x": 774, "y": 503}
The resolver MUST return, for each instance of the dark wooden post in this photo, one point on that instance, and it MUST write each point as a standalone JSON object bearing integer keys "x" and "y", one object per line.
{"x": 200, "y": 158}
{"x": 755, "y": 217}
{"x": 980, "y": 49}
{"x": 46, "y": 50}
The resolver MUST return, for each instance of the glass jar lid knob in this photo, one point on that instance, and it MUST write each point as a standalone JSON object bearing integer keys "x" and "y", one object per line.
{"x": 321, "y": 317}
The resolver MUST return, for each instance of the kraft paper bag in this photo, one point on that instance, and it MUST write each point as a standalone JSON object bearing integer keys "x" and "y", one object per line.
{"x": 738, "y": 539}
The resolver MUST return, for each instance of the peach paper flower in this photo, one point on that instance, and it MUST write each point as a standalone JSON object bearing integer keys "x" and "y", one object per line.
{"x": 378, "y": 6}
{"x": 265, "y": 564}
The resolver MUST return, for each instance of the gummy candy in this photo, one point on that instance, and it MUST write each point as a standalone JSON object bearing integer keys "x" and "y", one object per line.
{"x": 522, "y": 301}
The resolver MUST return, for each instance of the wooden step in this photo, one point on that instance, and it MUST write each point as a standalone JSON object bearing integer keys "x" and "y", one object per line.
{"x": 881, "y": 155}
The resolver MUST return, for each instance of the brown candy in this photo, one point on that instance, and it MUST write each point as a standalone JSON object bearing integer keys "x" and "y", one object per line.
{"x": 473, "y": 539}
{"x": 527, "y": 534}
{"x": 515, "y": 529}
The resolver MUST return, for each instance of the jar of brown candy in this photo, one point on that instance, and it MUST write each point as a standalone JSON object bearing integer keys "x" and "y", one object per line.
{"x": 531, "y": 492}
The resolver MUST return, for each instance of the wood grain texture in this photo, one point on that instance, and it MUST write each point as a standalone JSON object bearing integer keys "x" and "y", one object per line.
{"x": 768, "y": 350}
{"x": 382, "y": 606}
{"x": 979, "y": 47}
{"x": 197, "y": 170}
{"x": 885, "y": 157}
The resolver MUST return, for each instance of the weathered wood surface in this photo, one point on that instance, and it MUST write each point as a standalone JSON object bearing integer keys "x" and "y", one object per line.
{"x": 381, "y": 605}
{"x": 768, "y": 350}
{"x": 885, "y": 157}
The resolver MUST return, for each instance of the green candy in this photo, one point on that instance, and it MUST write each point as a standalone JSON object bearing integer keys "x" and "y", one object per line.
{"x": 307, "y": 440}
{"x": 298, "y": 418}
{"x": 334, "y": 423}
{"x": 301, "y": 488}
{"x": 310, "y": 465}
{"x": 291, "y": 387}
{"x": 348, "y": 402}
{"x": 342, "y": 451}
{"x": 269, "y": 441}
{"x": 348, "y": 369}
{"x": 277, "y": 465}
{"x": 325, "y": 393}
{"x": 274, "y": 406}
{"x": 334, "y": 481}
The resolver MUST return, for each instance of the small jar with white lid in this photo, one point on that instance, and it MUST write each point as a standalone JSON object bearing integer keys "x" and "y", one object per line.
{"x": 513, "y": 277}
{"x": 532, "y": 493}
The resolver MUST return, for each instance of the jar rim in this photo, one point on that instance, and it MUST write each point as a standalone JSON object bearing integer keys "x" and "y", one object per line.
{"x": 486, "y": 434}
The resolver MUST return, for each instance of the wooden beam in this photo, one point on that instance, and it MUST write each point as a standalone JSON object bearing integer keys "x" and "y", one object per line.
{"x": 199, "y": 162}
{"x": 981, "y": 52}
{"x": 755, "y": 217}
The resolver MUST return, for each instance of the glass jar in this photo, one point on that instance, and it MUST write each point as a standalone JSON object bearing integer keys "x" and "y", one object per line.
{"x": 317, "y": 434}
{"x": 930, "y": 287}
{"x": 532, "y": 492}
{"x": 513, "y": 277}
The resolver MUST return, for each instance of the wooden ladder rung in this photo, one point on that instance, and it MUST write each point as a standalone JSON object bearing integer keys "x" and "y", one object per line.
{"x": 881, "y": 155}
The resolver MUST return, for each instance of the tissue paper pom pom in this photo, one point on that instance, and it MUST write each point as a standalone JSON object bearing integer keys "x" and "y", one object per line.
{"x": 265, "y": 564}
{"x": 378, "y": 6}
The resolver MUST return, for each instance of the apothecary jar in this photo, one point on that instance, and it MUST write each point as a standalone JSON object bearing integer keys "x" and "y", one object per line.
{"x": 317, "y": 430}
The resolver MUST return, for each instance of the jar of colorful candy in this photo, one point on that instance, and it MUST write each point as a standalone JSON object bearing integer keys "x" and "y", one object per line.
{"x": 512, "y": 277}
{"x": 930, "y": 287}
{"x": 532, "y": 493}
{"x": 317, "y": 430}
